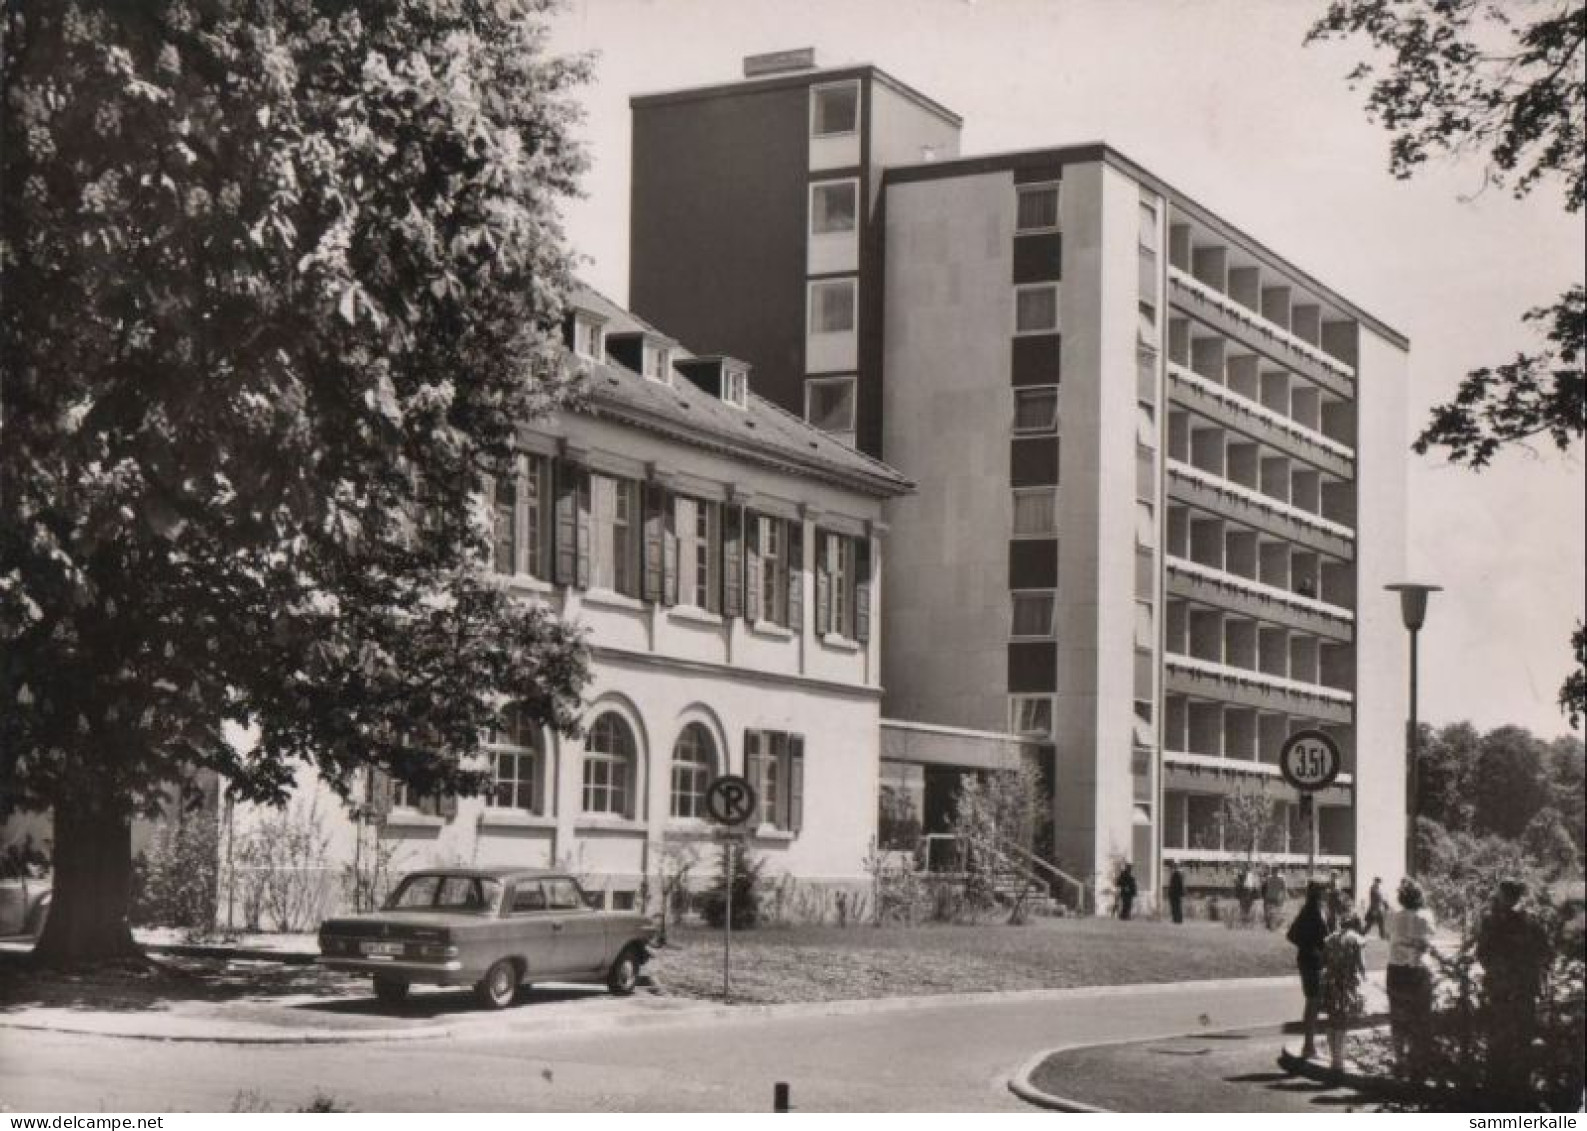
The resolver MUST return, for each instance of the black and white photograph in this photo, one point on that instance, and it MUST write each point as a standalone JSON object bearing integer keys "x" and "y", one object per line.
{"x": 760, "y": 556}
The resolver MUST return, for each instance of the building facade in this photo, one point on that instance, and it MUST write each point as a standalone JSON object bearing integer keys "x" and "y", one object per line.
{"x": 1161, "y": 469}
{"x": 725, "y": 559}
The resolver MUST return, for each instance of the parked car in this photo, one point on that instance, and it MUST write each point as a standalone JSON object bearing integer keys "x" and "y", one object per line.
{"x": 24, "y": 904}
{"x": 494, "y": 929}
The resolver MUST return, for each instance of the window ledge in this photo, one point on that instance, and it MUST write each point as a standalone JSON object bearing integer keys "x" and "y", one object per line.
{"x": 694, "y": 614}
{"x": 840, "y": 643}
{"x": 515, "y": 819}
{"x": 610, "y": 824}
{"x": 772, "y": 629}
{"x": 527, "y": 583}
{"x": 610, "y": 598}
{"x": 770, "y": 833}
{"x": 692, "y": 827}
{"x": 410, "y": 819}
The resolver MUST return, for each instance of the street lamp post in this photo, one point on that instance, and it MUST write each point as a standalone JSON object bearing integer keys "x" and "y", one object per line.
{"x": 1413, "y": 611}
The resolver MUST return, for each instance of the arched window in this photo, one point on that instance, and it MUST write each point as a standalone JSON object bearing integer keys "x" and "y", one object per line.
{"x": 693, "y": 760}
{"x": 516, "y": 762}
{"x": 609, "y": 767}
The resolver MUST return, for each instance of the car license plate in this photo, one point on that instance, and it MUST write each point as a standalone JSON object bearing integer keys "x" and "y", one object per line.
{"x": 383, "y": 949}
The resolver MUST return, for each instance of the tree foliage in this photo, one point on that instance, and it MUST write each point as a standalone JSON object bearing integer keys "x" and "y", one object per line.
{"x": 282, "y": 278}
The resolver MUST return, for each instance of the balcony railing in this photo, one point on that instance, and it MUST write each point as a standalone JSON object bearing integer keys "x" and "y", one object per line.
{"x": 1258, "y": 589}
{"x": 1255, "y": 498}
{"x": 1227, "y": 396}
{"x": 1233, "y": 674}
{"x": 1242, "y": 313}
{"x": 1231, "y": 765}
{"x": 1229, "y": 856}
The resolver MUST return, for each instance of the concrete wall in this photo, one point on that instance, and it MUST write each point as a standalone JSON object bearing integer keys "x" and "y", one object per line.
{"x": 947, "y": 416}
{"x": 1382, "y": 657}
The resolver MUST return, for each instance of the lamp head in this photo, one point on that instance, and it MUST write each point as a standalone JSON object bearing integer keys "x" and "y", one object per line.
{"x": 1413, "y": 601}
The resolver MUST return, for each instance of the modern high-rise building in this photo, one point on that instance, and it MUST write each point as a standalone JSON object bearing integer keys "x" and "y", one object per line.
{"x": 1161, "y": 470}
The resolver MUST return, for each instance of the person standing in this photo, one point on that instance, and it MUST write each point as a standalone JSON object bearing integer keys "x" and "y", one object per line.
{"x": 1245, "y": 893}
{"x": 1307, "y": 934}
{"x": 1337, "y": 906}
{"x": 1275, "y": 893}
{"x": 1377, "y": 909}
{"x": 1176, "y": 894}
{"x": 1410, "y": 982}
{"x": 1512, "y": 945}
{"x": 1124, "y": 887}
{"x": 1344, "y": 971}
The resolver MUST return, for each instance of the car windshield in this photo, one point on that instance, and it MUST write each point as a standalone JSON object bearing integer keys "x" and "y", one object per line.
{"x": 425, "y": 892}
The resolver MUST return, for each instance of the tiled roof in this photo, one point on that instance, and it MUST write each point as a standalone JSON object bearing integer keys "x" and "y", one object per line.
{"x": 761, "y": 432}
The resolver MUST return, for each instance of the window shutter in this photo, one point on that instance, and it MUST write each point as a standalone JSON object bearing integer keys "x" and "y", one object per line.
{"x": 566, "y": 534}
{"x": 823, "y": 586}
{"x": 582, "y": 519}
{"x": 862, "y": 590}
{"x": 732, "y": 561}
{"x": 669, "y": 551}
{"x": 377, "y": 794}
{"x": 796, "y": 782}
{"x": 655, "y": 499}
{"x": 752, "y": 580}
{"x": 753, "y": 766}
{"x": 796, "y": 576}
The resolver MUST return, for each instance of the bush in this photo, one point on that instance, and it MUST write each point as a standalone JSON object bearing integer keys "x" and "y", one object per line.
{"x": 747, "y": 885}
{"x": 175, "y": 880}
{"x": 280, "y": 868}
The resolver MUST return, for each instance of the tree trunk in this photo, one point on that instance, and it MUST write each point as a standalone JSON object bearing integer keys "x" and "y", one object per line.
{"x": 92, "y": 885}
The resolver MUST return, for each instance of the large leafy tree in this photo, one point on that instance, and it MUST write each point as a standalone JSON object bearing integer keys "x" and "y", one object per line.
{"x": 1504, "y": 81}
{"x": 281, "y": 279}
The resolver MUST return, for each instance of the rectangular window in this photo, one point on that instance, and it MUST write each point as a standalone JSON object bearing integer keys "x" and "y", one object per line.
{"x": 403, "y": 796}
{"x": 1033, "y": 613}
{"x": 699, "y": 536}
{"x": 834, "y": 109}
{"x": 1036, "y": 512}
{"x": 834, "y": 207}
{"x": 1030, "y": 715}
{"x": 589, "y": 339}
{"x": 1036, "y": 309}
{"x": 1038, "y": 208}
{"x": 735, "y": 388}
{"x": 614, "y": 549}
{"x": 537, "y": 504}
{"x": 1036, "y": 409}
{"x": 658, "y": 364}
{"x": 832, "y": 306}
{"x": 515, "y": 780}
{"x": 829, "y": 403}
{"x": 840, "y": 571}
{"x": 775, "y": 760}
{"x": 773, "y": 570}
{"x": 504, "y": 550}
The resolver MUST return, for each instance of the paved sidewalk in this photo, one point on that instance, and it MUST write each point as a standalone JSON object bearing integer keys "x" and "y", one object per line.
{"x": 1230, "y": 1071}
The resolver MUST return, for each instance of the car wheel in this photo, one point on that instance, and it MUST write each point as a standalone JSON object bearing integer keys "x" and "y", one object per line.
{"x": 499, "y": 985}
{"x": 624, "y": 974}
{"x": 391, "y": 991}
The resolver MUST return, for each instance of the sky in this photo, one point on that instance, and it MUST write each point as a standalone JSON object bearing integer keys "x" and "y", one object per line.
{"x": 1221, "y": 99}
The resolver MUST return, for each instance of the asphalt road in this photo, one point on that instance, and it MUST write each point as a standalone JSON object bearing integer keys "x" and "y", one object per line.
{"x": 938, "y": 1056}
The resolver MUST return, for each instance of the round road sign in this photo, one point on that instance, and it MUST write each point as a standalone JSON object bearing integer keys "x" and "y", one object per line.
{"x": 1309, "y": 760}
{"x": 730, "y": 800}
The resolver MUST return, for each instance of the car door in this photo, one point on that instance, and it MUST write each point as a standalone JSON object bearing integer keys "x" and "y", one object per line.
{"x": 536, "y": 930}
{"x": 580, "y": 939}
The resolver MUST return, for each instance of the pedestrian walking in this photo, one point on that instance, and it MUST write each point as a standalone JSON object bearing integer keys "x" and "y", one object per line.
{"x": 1307, "y": 934}
{"x": 1176, "y": 894}
{"x": 1344, "y": 971}
{"x": 1377, "y": 909}
{"x": 1125, "y": 888}
{"x": 1275, "y": 893}
{"x": 1410, "y": 981}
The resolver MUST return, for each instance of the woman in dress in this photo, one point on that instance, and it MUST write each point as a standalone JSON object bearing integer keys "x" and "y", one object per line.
{"x": 1307, "y": 934}
{"x": 1344, "y": 971}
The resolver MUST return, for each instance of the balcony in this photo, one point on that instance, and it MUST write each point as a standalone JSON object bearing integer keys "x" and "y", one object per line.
{"x": 1231, "y": 410}
{"x": 1223, "y": 683}
{"x": 1237, "y": 321}
{"x": 1206, "y": 585}
{"x": 1204, "y": 763}
{"x": 1209, "y": 492}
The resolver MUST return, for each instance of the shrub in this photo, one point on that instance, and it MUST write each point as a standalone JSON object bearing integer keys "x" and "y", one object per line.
{"x": 747, "y": 885}
{"x": 280, "y": 868}
{"x": 176, "y": 879}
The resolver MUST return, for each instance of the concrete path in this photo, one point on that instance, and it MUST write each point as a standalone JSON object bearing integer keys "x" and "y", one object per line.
{"x": 938, "y": 1054}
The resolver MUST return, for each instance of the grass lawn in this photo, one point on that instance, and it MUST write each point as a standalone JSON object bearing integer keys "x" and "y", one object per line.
{"x": 786, "y": 964}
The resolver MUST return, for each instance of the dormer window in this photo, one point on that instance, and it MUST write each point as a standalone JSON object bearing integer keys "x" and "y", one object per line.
{"x": 658, "y": 364}
{"x": 589, "y": 336}
{"x": 735, "y": 388}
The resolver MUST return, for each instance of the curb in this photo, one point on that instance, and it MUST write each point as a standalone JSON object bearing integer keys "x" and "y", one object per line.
{"x": 342, "y": 1037}
{"x": 234, "y": 953}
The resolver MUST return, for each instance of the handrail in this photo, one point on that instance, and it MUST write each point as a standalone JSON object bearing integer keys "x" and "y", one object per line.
{"x": 1001, "y": 852}
{"x": 1057, "y": 872}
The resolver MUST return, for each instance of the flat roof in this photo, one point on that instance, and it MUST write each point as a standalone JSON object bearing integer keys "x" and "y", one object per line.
{"x": 1087, "y": 152}
{"x": 786, "y": 79}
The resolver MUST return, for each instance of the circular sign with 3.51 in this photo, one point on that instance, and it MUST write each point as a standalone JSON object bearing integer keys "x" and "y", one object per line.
{"x": 1309, "y": 760}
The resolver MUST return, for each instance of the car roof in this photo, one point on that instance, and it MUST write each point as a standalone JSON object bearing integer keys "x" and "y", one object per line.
{"x": 494, "y": 872}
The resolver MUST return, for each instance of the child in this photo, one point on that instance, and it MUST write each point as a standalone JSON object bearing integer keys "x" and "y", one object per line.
{"x": 1344, "y": 971}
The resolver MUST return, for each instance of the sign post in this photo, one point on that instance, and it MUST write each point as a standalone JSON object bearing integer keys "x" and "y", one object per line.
{"x": 1309, "y": 761}
{"x": 730, "y": 803}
